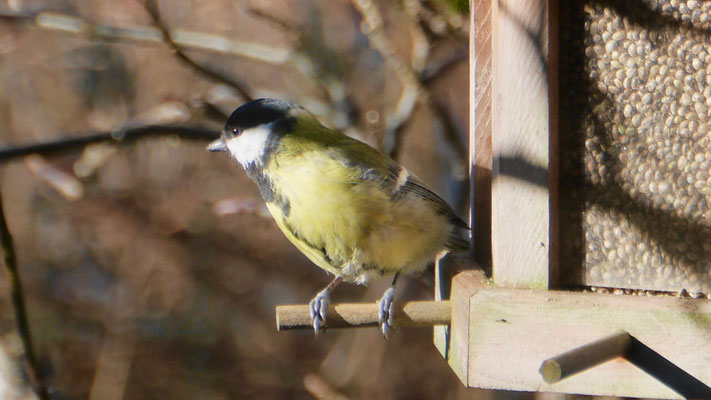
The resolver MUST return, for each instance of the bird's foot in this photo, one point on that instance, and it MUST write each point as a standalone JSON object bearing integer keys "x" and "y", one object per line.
{"x": 385, "y": 311}
{"x": 317, "y": 309}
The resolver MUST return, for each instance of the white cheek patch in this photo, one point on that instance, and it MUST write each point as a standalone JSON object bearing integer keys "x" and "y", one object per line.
{"x": 249, "y": 147}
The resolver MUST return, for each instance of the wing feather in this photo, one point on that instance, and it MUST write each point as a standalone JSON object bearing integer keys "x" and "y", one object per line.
{"x": 375, "y": 166}
{"x": 416, "y": 187}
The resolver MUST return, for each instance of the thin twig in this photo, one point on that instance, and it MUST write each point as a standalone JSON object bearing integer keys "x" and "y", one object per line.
{"x": 18, "y": 301}
{"x": 397, "y": 122}
{"x": 320, "y": 389}
{"x": 186, "y": 39}
{"x": 381, "y": 43}
{"x": 120, "y": 136}
{"x": 450, "y": 131}
{"x": 312, "y": 58}
{"x": 412, "y": 91}
{"x": 408, "y": 78}
{"x": 217, "y": 76}
{"x": 441, "y": 20}
{"x": 433, "y": 72}
{"x": 191, "y": 40}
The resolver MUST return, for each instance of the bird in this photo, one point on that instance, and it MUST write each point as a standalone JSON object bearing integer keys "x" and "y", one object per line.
{"x": 350, "y": 209}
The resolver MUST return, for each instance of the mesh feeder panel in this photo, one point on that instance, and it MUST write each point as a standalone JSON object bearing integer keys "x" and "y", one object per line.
{"x": 635, "y": 80}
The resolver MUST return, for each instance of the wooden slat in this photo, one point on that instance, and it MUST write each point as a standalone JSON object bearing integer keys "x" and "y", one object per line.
{"x": 520, "y": 112}
{"x": 510, "y": 332}
{"x": 458, "y": 357}
{"x": 444, "y": 267}
{"x": 553, "y": 144}
{"x": 480, "y": 129}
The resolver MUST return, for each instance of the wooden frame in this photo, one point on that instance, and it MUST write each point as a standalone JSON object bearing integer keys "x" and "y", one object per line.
{"x": 500, "y": 337}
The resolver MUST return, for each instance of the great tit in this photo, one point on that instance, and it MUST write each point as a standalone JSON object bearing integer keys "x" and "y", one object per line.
{"x": 350, "y": 209}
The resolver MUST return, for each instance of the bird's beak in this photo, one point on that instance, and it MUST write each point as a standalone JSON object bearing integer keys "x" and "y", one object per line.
{"x": 217, "y": 145}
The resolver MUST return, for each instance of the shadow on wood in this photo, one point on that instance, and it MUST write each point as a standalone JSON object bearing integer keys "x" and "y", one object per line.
{"x": 666, "y": 372}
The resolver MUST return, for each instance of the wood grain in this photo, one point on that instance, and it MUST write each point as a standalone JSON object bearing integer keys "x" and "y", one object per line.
{"x": 505, "y": 335}
{"x": 520, "y": 112}
{"x": 445, "y": 265}
{"x": 480, "y": 129}
{"x": 585, "y": 357}
{"x": 463, "y": 286}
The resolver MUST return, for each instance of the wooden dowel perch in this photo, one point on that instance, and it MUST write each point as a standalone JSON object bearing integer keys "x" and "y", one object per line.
{"x": 584, "y": 357}
{"x": 358, "y": 315}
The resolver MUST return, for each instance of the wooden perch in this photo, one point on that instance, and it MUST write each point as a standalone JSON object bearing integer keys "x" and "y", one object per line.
{"x": 584, "y": 357}
{"x": 359, "y": 315}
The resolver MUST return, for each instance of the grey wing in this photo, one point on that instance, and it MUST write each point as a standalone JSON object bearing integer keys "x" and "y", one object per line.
{"x": 399, "y": 181}
{"x": 416, "y": 187}
{"x": 455, "y": 241}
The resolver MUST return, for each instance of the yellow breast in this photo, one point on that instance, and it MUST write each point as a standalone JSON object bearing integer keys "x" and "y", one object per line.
{"x": 349, "y": 226}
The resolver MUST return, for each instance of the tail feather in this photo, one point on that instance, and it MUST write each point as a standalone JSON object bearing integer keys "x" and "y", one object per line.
{"x": 456, "y": 243}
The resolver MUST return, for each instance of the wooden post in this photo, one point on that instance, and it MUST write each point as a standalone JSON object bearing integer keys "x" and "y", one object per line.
{"x": 523, "y": 201}
{"x": 458, "y": 354}
{"x": 480, "y": 130}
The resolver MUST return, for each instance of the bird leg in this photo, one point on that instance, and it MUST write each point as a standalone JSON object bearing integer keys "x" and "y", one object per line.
{"x": 385, "y": 308}
{"x": 319, "y": 305}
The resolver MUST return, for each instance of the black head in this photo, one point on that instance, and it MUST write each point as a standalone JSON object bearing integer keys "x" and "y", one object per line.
{"x": 277, "y": 113}
{"x": 261, "y": 112}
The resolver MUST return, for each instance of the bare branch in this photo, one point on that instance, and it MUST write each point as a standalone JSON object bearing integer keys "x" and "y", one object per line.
{"x": 18, "y": 302}
{"x": 450, "y": 132}
{"x": 412, "y": 88}
{"x": 396, "y": 122}
{"x": 310, "y": 59}
{"x": 124, "y": 135}
{"x": 440, "y": 20}
{"x": 184, "y": 38}
{"x": 381, "y": 43}
{"x": 412, "y": 84}
{"x": 446, "y": 64}
{"x": 320, "y": 389}
{"x": 152, "y": 9}
{"x": 181, "y": 40}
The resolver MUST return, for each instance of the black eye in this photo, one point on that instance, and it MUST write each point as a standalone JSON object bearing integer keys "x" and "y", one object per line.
{"x": 232, "y": 132}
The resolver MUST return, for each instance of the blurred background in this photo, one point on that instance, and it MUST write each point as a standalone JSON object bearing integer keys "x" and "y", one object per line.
{"x": 151, "y": 267}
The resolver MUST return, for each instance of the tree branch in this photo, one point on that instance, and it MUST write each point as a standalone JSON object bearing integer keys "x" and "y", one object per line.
{"x": 440, "y": 20}
{"x": 18, "y": 302}
{"x": 186, "y": 39}
{"x": 211, "y": 74}
{"x": 123, "y": 135}
{"x": 312, "y": 58}
{"x": 181, "y": 40}
{"x": 412, "y": 84}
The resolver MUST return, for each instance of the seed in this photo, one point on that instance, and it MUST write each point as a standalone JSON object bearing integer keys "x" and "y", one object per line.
{"x": 652, "y": 99}
{"x": 628, "y": 111}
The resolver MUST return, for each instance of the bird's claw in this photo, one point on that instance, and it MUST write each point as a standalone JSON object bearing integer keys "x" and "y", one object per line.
{"x": 317, "y": 309}
{"x": 385, "y": 311}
